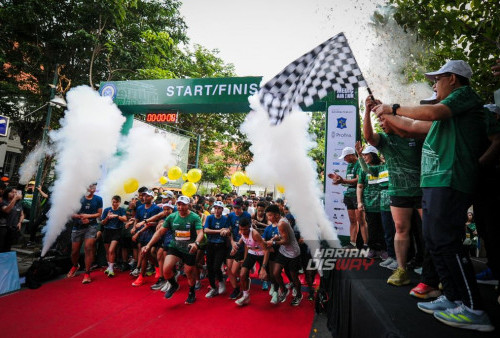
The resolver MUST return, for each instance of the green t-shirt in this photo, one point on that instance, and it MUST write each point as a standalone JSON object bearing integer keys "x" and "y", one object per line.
{"x": 371, "y": 191}
{"x": 351, "y": 172}
{"x": 403, "y": 159}
{"x": 181, "y": 229}
{"x": 453, "y": 146}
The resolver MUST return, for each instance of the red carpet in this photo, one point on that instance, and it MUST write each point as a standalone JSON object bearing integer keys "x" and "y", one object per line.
{"x": 112, "y": 307}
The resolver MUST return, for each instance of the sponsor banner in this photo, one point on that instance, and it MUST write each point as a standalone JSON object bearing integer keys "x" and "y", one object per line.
{"x": 340, "y": 133}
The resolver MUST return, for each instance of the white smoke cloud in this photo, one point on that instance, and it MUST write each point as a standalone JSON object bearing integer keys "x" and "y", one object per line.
{"x": 145, "y": 156}
{"x": 280, "y": 157}
{"x": 29, "y": 167}
{"x": 88, "y": 137}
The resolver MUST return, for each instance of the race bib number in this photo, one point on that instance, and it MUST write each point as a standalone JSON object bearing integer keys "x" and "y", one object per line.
{"x": 182, "y": 235}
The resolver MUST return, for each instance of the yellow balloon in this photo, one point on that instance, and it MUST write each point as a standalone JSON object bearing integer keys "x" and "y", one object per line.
{"x": 238, "y": 178}
{"x": 248, "y": 180}
{"x": 194, "y": 175}
{"x": 188, "y": 189}
{"x": 130, "y": 185}
{"x": 174, "y": 173}
{"x": 184, "y": 177}
{"x": 163, "y": 180}
{"x": 280, "y": 188}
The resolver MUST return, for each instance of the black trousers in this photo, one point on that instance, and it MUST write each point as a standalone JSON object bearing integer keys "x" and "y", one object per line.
{"x": 216, "y": 254}
{"x": 444, "y": 215}
{"x": 376, "y": 240}
{"x": 486, "y": 202}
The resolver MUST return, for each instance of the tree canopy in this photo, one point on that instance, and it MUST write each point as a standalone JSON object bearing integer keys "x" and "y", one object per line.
{"x": 456, "y": 29}
{"x": 95, "y": 41}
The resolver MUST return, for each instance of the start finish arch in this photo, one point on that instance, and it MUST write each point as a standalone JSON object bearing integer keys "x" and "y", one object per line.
{"x": 230, "y": 95}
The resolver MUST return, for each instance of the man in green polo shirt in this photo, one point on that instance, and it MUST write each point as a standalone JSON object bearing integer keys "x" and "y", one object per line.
{"x": 449, "y": 170}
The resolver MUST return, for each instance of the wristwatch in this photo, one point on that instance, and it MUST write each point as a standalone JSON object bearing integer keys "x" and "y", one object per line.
{"x": 197, "y": 244}
{"x": 395, "y": 108}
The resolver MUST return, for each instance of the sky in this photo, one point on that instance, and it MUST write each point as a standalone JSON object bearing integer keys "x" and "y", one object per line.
{"x": 261, "y": 37}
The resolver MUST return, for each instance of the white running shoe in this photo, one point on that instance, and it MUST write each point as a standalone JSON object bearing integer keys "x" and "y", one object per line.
{"x": 211, "y": 293}
{"x": 244, "y": 300}
{"x": 222, "y": 288}
{"x": 274, "y": 298}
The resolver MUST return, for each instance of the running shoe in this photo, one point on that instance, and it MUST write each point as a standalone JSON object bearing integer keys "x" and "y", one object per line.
{"x": 311, "y": 296}
{"x": 222, "y": 288}
{"x": 486, "y": 277}
{"x": 235, "y": 294}
{"x": 197, "y": 285}
{"x": 159, "y": 284}
{"x": 372, "y": 254}
{"x": 349, "y": 247}
{"x": 399, "y": 278}
{"x": 135, "y": 272}
{"x": 139, "y": 281}
{"x": 244, "y": 300}
{"x": 165, "y": 287}
{"x": 274, "y": 298}
{"x": 387, "y": 262}
{"x": 440, "y": 304}
{"x": 170, "y": 292}
{"x": 271, "y": 289}
{"x": 111, "y": 273}
{"x": 393, "y": 266}
{"x": 73, "y": 271}
{"x": 463, "y": 318}
{"x": 86, "y": 279}
{"x": 265, "y": 285}
{"x": 106, "y": 271}
{"x": 424, "y": 291}
{"x": 296, "y": 300}
{"x": 294, "y": 292}
{"x": 282, "y": 296}
{"x": 191, "y": 298}
{"x": 150, "y": 271}
{"x": 157, "y": 272}
{"x": 383, "y": 255}
{"x": 212, "y": 293}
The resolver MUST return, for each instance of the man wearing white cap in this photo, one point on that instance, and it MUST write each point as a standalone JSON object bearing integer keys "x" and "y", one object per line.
{"x": 448, "y": 179}
{"x": 188, "y": 233}
{"x": 350, "y": 181}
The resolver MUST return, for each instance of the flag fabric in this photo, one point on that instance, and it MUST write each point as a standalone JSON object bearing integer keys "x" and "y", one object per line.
{"x": 329, "y": 66}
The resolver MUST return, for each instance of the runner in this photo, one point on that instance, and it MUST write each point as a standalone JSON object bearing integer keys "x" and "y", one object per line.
{"x": 85, "y": 230}
{"x": 255, "y": 251}
{"x": 146, "y": 226}
{"x": 188, "y": 233}
{"x": 113, "y": 219}
{"x": 217, "y": 229}
{"x": 233, "y": 262}
{"x": 162, "y": 245}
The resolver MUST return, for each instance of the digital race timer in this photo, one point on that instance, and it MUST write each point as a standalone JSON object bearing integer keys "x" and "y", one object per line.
{"x": 162, "y": 117}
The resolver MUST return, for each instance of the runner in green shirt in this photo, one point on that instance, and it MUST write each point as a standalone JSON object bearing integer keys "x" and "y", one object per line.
{"x": 449, "y": 167}
{"x": 356, "y": 217}
{"x": 188, "y": 233}
{"x": 368, "y": 193}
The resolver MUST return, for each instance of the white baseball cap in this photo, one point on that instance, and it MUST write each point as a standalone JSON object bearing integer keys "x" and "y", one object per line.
{"x": 150, "y": 193}
{"x": 218, "y": 204}
{"x": 169, "y": 205}
{"x": 183, "y": 199}
{"x": 370, "y": 149}
{"x": 458, "y": 67}
{"x": 347, "y": 151}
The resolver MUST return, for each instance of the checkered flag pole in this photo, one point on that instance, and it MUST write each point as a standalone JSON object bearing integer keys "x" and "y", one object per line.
{"x": 329, "y": 66}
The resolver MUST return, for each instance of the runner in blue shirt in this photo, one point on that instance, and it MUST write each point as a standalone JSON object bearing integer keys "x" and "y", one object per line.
{"x": 113, "y": 219}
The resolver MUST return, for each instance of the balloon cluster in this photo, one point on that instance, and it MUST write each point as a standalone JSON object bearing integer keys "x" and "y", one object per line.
{"x": 174, "y": 173}
{"x": 240, "y": 178}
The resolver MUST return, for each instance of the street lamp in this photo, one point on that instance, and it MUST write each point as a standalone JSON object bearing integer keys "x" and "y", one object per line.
{"x": 55, "y": 101}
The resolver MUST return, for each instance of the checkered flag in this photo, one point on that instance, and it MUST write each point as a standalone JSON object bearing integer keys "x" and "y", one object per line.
{"x": 329, "y": 66}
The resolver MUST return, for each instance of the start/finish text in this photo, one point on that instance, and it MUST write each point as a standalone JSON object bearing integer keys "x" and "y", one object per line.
{"x": 213, "y": 89}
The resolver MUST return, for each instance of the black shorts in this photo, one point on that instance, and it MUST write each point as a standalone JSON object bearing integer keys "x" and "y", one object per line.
{"x": 126, "y": 242}
{"x": 238, "y": 256}
{"x": 145, "y": 236}
{"x": 290, "y": 264}
{"x": 188, "y": 259}
{"x": 351, "y": 203}
{"x": 413, "y": 202}
{"x": 111, "y": 235}
{"x": 250, "y": 261}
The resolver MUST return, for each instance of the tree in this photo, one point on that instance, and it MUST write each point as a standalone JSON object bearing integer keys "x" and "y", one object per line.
{"x": 459, "y": 29}
{"x": 317, "y": 129}
{"x": 97, "y": 41}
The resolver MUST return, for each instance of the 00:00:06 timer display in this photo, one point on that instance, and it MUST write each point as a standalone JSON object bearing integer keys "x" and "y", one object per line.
{"x": 161, "y": 117}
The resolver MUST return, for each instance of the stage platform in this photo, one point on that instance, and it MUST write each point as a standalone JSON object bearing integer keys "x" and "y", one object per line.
{"x": 364, "y": 305}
